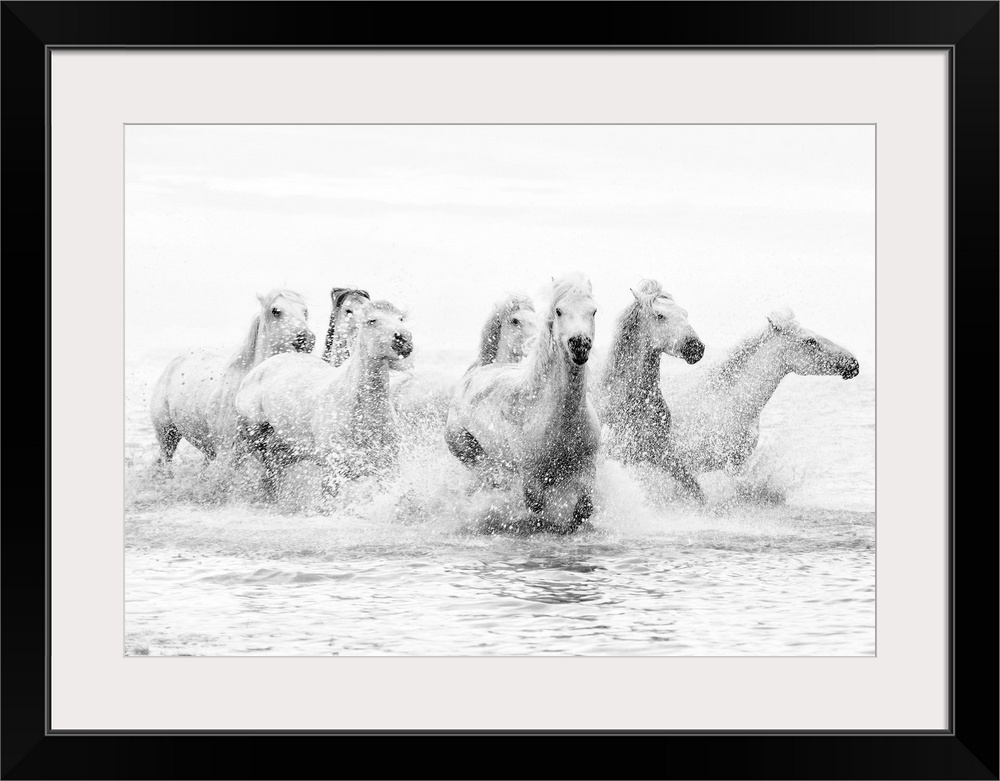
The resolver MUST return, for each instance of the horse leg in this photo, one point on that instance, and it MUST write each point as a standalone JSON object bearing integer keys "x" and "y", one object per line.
{"x": 259, "y": 439}
{"x": 464, "y": 446}
{"x": 467, "y": 449}
{"x": 210, "y": 455}
{"x": 535, "y": 501}
{"x": 272, "y": 474}
{"x": 686, "y": 480}
{"x": 334, "y": 475}
{"x": 584, "y": 508}
{"x": 534, "y": 494}
{"x": 169, "y": 438}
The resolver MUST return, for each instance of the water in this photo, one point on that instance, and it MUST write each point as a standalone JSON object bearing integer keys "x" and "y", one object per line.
{"x": 781, "y": 562}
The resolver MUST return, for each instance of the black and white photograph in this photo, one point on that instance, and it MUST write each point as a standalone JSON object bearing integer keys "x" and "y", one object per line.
{"x": 500, "y": 390}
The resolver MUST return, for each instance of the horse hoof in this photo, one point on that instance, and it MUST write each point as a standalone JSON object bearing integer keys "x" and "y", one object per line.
{"x": 583, "y": 510}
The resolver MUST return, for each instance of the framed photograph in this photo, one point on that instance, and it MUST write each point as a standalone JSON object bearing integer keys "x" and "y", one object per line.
{"x": 503, "y": 391}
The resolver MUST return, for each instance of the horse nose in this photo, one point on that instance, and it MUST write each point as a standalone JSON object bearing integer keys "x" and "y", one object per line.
{"x": 693, "y": 350}
{"x": 304, "y": 341}
{"x": 579, "y": 347}
{"x": 851, "y": 369}
{"x": 402, "y": 343}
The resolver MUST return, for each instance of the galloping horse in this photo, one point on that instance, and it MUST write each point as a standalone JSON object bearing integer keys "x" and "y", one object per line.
{"x": 194, "y": 397}
{"x": 533, "y": 419}
{"x": 507, "y": 331}
{"x": 296, "y": 407}
{"x": 423, "y": 398}
{"x": 343, "y": 324}
{"x": 716, "y": 419}
{"x": 630, "y": 402}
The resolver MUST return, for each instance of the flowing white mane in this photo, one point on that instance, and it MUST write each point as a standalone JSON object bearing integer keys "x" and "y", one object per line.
{"x": 782, "y": 319}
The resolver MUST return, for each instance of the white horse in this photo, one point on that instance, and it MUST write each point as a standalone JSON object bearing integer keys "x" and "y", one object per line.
{"x": 716, "y": 417}
{"x": 533, "y": 419}
{"x": 507, "y": 332}
{"x": 298, "y": 407}
{"x": 630, "y": 402}
{"x": 347, "y": 301}
{"x": 422, "y": 398}
{"x": 194, "y": 397}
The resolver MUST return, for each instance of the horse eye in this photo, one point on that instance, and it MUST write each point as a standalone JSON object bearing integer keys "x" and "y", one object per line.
{"x": 660, "y": 316}
{"x": 515, "y": 321}
{"x": 348, "y": 311}
{"x": 276, "y": 312}
{"x": 558, "y": 313}
{"x": 812, "y": 342}
{"x": 372, "y": 321}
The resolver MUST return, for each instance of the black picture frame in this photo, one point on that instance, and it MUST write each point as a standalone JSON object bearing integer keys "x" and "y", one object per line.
{"x": 967, "y": 750}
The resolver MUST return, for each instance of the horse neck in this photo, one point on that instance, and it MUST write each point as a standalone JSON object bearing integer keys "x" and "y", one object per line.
{"x": 551, "y": 371}
{"x": 369, "y": 377}
{"x": 633, "y": 369}
{"x": 754, "y": 380}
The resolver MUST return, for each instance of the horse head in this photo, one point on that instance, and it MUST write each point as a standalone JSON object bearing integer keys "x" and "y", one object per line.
{"x": 381, "y": 333}
{"x": 343, "y": 323}
{"x": 663, "y": 325}
{"x": 283, "y": 315}
{"x": 570, "y": 317}
{"x": 346, "y": 303}
{"x": 808, "y": 353}
{"x": 508, "y": 330}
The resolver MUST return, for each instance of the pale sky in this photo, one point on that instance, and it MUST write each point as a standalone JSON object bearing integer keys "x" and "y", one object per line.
{"x": 443, "y": 220}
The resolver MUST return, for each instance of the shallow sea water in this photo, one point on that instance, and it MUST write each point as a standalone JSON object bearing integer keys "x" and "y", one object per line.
{"x": 779, "y": 562}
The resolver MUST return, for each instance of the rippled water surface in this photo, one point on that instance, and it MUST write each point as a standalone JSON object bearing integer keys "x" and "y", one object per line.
{"x": 779, "y": 562}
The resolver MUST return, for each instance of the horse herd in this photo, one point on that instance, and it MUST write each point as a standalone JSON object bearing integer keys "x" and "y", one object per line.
{"x": 526, "y": 410}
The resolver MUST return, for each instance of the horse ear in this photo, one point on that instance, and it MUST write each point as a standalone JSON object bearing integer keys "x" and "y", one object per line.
{"x": 260, "y": 298}
{"x": 780, "y": 318}
{"x": 634, "y": 294}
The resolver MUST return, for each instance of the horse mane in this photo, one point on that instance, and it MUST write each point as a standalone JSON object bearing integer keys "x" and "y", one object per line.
{"x": 267, "y": 301}
{"x": 627, "y": 326}
{"x": 733, "y": 363}
{"x": 650, "y": 291}
{"x": 337, "y": 296}
{"x": 245, "y": 354}
{"x": 539, "y": 360}
{"x": 489, "y": 342}
{"x": 386, "y": 306}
